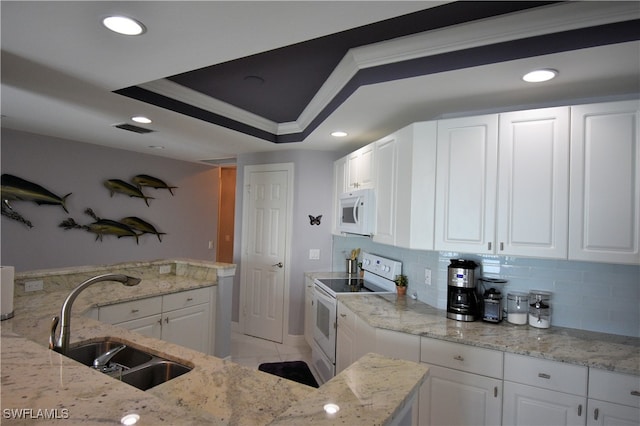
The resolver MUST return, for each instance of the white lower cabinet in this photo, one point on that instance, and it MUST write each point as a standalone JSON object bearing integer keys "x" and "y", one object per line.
{"x": 308, "y": 310}
{"x": 183, "y": 318}
{"x": 542, "y": 392}
{"x": 354, "y": 338}
{"x": 614, "y": 399}
{"x": 464, "y": 386}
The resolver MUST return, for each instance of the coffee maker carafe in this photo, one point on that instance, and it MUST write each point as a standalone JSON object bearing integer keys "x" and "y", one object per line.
{"x": 462, "y": 298}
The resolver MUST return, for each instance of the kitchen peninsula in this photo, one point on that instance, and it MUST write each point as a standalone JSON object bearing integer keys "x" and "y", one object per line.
{"x": 39, "y": 384}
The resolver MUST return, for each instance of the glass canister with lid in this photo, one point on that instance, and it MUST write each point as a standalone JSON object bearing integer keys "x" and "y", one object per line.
{"x": 540, "y": 309}
{"x": 517, "y": 307}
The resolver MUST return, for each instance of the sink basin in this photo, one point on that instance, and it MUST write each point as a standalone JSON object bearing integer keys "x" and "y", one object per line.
{"x": 132, "y": 366}
{"x": 154, "y": 374}
{"x": 128, "y": 357}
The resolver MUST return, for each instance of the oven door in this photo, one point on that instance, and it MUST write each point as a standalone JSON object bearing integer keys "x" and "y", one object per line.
{"x": 324, "y": 323}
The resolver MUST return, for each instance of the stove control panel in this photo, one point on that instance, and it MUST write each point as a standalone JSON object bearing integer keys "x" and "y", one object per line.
{"x": 386, "y": 268}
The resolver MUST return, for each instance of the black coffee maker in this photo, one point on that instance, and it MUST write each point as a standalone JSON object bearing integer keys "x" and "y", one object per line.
{"x": 463, "y": 303}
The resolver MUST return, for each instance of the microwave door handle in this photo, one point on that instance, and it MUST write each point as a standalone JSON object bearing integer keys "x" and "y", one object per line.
{"x": 355, "y": 210}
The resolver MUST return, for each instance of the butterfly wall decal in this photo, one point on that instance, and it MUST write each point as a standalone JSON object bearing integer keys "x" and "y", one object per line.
{"x": 315, "y": 220}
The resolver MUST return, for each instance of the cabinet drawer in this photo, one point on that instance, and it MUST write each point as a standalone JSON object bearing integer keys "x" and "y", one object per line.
{"x": 467, "y": 358}
{"x": 184, "y": 299}
{"x": 553, "y": 375}
{"x": 614, "y": 387}
{"x": 127, "y": 311}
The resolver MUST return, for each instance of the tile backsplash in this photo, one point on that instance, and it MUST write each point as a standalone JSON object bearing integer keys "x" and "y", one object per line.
{"x": 590, "y": 296}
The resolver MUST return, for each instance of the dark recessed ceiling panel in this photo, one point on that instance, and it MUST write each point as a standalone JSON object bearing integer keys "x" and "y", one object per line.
{"x": 279, "y": 84}
{"x": 292, "y": 75}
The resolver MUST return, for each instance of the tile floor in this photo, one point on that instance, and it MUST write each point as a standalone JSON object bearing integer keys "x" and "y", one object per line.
{"x": 251, "y": 351}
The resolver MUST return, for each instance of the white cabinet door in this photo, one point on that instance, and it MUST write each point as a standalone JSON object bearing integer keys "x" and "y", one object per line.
{"x": 602, "y": 413}
{"x": 466, "y": 184}
{"x": 188, "y": 327}
{"x": 533, "y": 183}
{"x": 148, "y": 326}
{"x": 361, "y": 167}
{"x": 451, "y": 397}
{"x": 385, "y": 190}
{"x": 345, "y": 338}
{"x": 341, "y": 185}
{"x": 416, "y": 185}
{"x": 529, "y": 405}
{"x": 308, "y": 310}
{"x": 605, "y": 183}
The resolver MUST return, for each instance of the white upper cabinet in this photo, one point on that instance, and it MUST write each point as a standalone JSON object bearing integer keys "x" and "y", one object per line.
{"x": 605, "y": 183}
{"x": 340, "y": 186}
{"x": 503, "y": 182}
{"x": 466, "y": 184}
{"x": 533, "y": 183}
{"x": 361, "y": 168}
{"x": 405, "y": 187}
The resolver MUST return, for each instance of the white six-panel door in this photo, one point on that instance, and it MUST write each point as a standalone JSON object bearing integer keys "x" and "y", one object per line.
{"x": 266, "y": 213}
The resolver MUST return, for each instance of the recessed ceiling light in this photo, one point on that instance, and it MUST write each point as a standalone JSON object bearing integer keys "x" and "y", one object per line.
{"x": 141, "y": 119}
{"x": 124, "y": 25}
{"x": 339, "y": 134}
{"x": 538, "y": 76}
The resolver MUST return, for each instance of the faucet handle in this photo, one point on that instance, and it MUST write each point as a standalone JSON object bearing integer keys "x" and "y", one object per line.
{"x": 52, "y": 336}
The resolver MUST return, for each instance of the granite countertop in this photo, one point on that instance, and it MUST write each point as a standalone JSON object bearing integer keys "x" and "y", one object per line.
{"x": 40, "y": 384}
{"x": 598, "y": 350}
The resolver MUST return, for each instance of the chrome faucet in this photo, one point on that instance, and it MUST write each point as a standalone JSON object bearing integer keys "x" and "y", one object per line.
{"x": 61, "y": 345}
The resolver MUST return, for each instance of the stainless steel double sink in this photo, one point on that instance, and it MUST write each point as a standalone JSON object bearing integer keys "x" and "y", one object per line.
{"x": 130, "y": 365}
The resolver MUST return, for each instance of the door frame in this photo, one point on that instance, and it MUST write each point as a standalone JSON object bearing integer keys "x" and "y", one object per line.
{"x": 289, "y": 168}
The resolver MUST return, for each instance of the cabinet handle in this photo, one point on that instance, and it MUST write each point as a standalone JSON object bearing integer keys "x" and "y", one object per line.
{"x": 343, "y": 315}
{"x": 458, "y": 358}
{"x": 580, "y": 410}
{"x": 495, "y": 391}
{"x": 160, "y": 321}
{"x": 635, "y": 393}
{"x": 166, "y": 320}
{"x": 501, "y": 246}
{"x": 189, "y": 299}
{"x": 596, "y": 412}
{"x": 544, "y": 375}
{"x": 489, "y": 245}
{"x": 134, "y": 311}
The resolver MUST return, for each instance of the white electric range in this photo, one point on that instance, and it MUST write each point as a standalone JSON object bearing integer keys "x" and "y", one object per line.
{"x": 379, "y": 276}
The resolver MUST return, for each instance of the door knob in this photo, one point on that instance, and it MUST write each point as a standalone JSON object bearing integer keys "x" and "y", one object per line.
{"x": 279, "y": 265}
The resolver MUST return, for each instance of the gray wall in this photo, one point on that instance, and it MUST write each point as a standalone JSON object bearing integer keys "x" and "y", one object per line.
{"x": 189, "y": 217}
{"x": 313, "y": 180}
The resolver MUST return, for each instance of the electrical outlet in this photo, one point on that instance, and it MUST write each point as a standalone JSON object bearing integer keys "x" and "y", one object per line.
{"x": 427, "y": 276}
{"x": 165, "y": 269}
{"x": 314, "y": 254}
{"x": 33, "y": 285}
{"x": 210, "y": 245}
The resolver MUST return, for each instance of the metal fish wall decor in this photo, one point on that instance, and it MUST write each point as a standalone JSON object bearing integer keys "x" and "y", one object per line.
{"x": 151, "y": 182}
{"x": 122, "y": 187}
{"x": 141, "y": 226}
{"x": 14, "y": 188}
{"x": 126, "y": 227}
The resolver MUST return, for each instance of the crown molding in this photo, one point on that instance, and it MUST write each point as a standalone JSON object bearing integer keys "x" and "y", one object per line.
{"x": 515, "y": 26}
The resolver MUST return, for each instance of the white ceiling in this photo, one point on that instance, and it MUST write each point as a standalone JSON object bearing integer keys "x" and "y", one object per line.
{"x": 60, "y": 66}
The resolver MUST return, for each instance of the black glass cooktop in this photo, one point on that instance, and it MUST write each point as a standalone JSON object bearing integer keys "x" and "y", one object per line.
{"x": 350, "y": 285}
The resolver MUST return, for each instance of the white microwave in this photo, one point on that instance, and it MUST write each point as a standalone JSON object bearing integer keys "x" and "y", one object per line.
{"x": 357, "y": 212}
